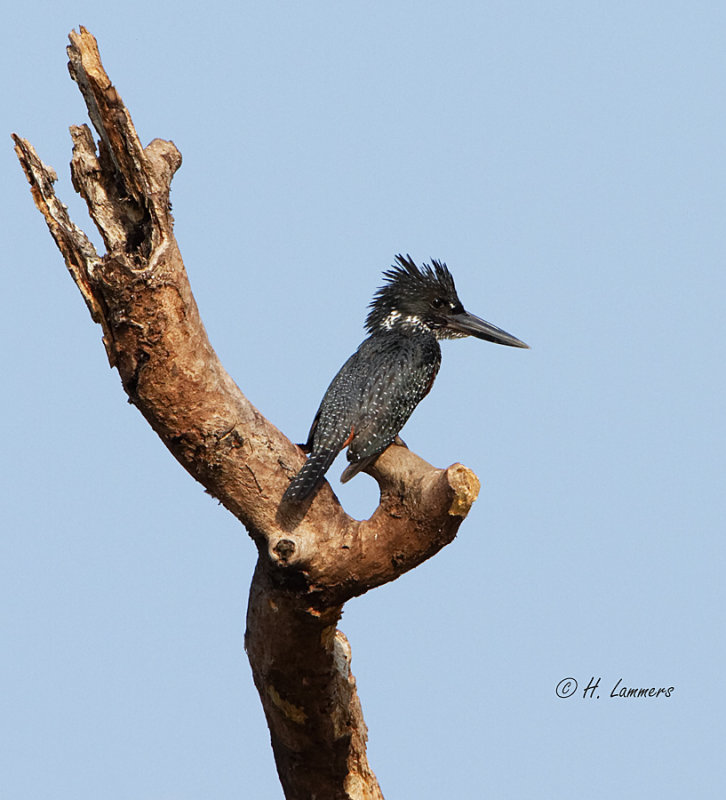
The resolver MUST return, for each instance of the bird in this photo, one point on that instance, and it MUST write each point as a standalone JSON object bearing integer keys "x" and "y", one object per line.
{"x": 379, "y": 386}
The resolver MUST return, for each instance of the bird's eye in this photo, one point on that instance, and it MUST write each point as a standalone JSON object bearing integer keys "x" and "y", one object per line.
{"x": 437, "y": 302}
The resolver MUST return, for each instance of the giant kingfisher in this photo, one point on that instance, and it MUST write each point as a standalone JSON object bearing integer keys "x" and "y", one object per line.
{"x": 378, "y": 387}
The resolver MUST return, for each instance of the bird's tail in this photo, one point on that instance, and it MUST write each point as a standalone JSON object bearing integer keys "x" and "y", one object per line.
{"x": 310, "y": 476}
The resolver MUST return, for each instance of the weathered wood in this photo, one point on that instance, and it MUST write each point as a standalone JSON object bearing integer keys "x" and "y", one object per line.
{"x": 311, "y": 560}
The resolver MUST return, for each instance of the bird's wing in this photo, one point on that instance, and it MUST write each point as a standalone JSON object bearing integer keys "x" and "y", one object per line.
{"x": 333, "y": 420}
{"x": 402, "y": 377}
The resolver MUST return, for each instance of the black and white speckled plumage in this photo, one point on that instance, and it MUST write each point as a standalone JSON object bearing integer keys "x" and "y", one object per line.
{"x": 378, "y": 387}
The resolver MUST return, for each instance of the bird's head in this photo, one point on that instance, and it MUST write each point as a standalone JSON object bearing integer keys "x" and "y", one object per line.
{"x": 425, "y": 298}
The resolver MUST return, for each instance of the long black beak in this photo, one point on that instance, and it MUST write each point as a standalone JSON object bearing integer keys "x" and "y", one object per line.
{"x": 471, "y": 325}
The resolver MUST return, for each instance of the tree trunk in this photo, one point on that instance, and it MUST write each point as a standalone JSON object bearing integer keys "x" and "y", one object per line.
{"x": 311, "y": 560}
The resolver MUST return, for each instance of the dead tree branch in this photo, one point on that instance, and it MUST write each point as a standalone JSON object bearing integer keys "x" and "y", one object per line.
{"x": 308, "y": 565}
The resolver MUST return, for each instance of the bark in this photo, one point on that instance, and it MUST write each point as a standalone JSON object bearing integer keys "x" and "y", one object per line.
{"x": 311, "y": 560}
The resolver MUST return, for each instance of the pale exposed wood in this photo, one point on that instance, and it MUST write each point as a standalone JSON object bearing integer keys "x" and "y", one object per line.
{"x": 311, "y": 560}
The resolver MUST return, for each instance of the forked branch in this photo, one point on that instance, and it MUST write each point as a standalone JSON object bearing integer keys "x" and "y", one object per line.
{"x": 310, "y": 562}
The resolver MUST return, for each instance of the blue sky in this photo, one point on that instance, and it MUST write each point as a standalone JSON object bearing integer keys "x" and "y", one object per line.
{"x": 568, "y": 161}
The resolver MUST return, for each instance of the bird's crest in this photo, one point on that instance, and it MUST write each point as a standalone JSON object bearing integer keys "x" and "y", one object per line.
{"x": 406, "y": 282}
